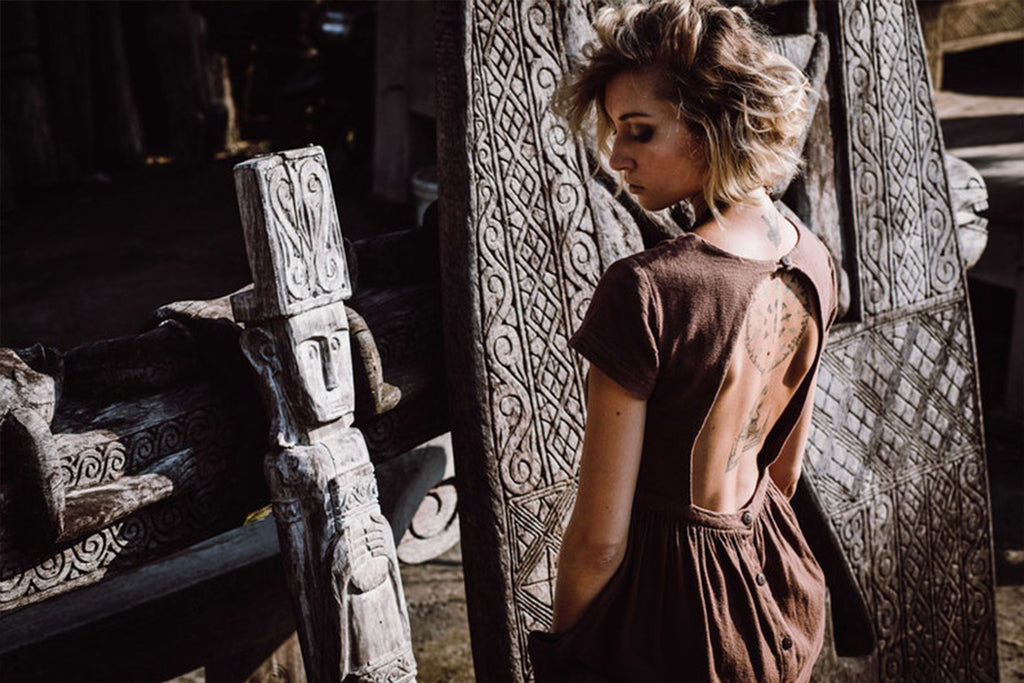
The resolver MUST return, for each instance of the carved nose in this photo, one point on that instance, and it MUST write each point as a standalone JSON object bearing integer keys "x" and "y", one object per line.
{"x": 330, "y": 366}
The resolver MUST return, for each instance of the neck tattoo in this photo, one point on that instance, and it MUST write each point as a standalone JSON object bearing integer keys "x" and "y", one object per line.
{"x": 773, "y": 229}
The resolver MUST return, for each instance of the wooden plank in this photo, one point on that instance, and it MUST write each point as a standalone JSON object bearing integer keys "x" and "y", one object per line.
{"x": 974, "y": 42}
{"x": 227, "y": 604}
{"x": 217, "y": 556}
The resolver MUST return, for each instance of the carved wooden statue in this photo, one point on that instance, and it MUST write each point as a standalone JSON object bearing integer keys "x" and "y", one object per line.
{"x": 338, "y": 548}
{"x": 118, "y": 453}
{"x": 894, "y": 490}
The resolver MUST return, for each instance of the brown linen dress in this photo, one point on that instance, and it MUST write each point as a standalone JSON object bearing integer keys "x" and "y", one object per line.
{"x": 700, "y": 595}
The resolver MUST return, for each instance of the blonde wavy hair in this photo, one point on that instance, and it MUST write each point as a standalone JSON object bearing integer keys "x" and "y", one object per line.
{"x": 746, "y": 104}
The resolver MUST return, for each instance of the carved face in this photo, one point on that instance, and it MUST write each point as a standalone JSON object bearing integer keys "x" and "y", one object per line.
{"x": 318, "y": 343}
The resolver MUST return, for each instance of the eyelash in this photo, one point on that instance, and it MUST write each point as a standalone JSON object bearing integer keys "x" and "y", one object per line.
{"x": 642, "y": 134}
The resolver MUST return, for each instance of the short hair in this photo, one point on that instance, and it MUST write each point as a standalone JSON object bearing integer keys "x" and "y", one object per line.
{"x": 746, "y": 104}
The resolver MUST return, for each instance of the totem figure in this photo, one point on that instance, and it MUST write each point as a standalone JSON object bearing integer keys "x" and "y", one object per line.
{"x": 338, "y": 549}
{"x": 894, "y": 494}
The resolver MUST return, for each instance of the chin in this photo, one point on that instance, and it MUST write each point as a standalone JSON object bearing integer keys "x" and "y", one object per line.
{"x": 652, "y": 205}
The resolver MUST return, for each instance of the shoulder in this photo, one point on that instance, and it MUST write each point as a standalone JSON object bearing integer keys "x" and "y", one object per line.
{"x": 813, "y": 244}
{"x": 819, "y": 264}
{"x": 672, "y": 264}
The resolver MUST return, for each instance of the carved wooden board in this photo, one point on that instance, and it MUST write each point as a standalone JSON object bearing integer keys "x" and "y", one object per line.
{"x": 519, "y": 262}
{"x": 895, "y": 456}
{"x": 202, "y": 426}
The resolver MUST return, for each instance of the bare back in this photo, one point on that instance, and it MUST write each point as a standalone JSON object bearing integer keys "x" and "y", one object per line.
{"x": 721, "y": 331}
{"x": 773, "y": 353}
{"x": 719, "y": 341}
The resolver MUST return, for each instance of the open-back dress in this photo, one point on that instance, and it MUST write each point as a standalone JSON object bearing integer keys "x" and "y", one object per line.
{"x": 700, "y": 595}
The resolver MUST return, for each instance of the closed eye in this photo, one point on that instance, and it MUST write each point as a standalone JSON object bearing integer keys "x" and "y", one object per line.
{"x": 641, "y": 133}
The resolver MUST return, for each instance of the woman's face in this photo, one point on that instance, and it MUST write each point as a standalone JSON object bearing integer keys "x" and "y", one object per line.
{"x": 660, "y": 160}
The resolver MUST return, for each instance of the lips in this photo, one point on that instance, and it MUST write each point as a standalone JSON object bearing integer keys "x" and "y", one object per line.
{"x": 635, "y": 189}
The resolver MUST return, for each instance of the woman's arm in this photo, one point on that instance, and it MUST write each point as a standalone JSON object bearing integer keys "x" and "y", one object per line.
{"x": 594, "y": 542}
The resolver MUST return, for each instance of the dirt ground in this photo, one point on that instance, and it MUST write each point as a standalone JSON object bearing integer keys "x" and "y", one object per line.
{"x": 440, "y": 628}
{"x": 437, "y": 612}
{"x": 436, "y": 598}
{"x": 1010, "y": 617}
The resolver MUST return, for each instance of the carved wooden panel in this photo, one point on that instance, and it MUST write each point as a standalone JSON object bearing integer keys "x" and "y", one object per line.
{"x": 292, "y": 190}
{"x": 895, "y": 459}
{"x": 896, "y": 455}
{"x": 906, "y": 246}
{"x": 203, "y": 426}
{"x": 539, "y": 256}
{"x": 197, "y": 428}
{"x": 523, "y": 264}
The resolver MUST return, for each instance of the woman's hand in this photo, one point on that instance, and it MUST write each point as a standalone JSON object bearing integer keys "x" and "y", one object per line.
{"x": 594, "y": 542}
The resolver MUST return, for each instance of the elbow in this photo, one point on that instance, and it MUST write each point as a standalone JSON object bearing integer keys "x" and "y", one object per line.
{"x": 596, "y": 554}
{"x": 785, "y": 481}
{"x": 607, "y": 557}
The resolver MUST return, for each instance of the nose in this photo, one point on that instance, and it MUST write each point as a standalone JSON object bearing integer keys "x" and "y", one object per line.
{"x": 618, "y": 160}
{"x": 330, "y": 365}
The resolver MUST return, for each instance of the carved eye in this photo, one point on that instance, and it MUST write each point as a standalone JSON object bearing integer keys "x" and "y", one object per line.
{"x": 311, "y": 352}
{"x": 335, "y": 343}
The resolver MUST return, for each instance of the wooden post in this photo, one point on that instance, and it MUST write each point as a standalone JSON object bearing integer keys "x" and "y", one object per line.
{"x": 337, "y": 547}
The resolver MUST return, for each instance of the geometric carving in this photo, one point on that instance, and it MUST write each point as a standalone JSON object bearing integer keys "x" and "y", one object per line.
{"x": 292, "y": 190}
{"x": 900, "y": 200}
{"x": 195, "y": 445}
{"x": 521, "y": 262}
{"x": 895, "y": 454}
{"x": 154, "y": 530}
{"x": 895, "y": 458}
{"x": 107, "y": 460}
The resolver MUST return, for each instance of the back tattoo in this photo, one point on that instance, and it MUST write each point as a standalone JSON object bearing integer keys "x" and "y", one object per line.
{"x": 775, "y": 324}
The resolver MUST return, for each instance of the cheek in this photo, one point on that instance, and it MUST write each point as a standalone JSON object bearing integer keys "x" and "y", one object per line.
{"x": 310, "y": 364}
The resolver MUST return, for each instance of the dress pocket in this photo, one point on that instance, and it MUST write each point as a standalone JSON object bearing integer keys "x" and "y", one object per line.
{"x": 550, "y": 663}
{"x": 553, "y": 663}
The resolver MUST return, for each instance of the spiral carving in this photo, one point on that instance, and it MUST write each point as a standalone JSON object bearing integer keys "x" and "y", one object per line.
{"x": 26, "y": 579}
{"x": 305, "y": 233}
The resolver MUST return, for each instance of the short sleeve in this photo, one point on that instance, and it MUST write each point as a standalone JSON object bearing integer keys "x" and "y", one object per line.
{"x": 619, "y": 330}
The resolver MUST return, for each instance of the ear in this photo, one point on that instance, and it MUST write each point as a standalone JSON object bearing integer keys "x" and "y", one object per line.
{"x": 259, "y": 347}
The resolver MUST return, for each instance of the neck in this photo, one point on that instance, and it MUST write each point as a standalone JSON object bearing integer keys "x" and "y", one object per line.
{"x": 700, "y": 207}
{"x": 757, "y": 201}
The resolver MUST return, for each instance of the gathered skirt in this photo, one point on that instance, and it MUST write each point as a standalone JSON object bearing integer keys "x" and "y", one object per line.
{"x": 699, "y": 596}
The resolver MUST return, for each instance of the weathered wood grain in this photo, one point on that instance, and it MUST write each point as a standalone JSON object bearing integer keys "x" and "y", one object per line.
{"x": 338, "y": 550}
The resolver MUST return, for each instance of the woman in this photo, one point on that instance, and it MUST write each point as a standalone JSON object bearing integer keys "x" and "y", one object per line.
{"x": 682, "y": 560}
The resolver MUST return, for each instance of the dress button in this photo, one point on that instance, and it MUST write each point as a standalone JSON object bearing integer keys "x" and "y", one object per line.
{"x": 786, "y": 261}
{"x": 747, "y": 518}
{"x": 787, "y": 642}
{"x": 760, "y": 579}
